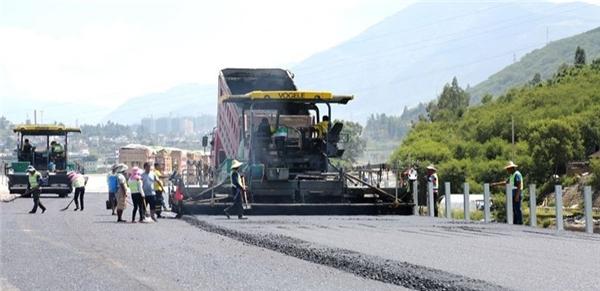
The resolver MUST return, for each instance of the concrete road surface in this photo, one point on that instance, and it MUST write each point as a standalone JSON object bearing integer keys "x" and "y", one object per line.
{"x": 89, "y": 251}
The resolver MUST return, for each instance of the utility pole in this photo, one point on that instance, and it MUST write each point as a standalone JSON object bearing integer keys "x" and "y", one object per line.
{"x": 34, "y": 116}
{"x": 512, "y": 120}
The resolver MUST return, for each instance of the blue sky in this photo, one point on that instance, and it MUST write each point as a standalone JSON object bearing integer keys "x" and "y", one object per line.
{"x": 104, "y": 51}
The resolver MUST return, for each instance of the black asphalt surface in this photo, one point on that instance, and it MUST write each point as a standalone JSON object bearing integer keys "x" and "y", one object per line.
{"x": 428, "y": 253}
{"x": 89, "y": 251}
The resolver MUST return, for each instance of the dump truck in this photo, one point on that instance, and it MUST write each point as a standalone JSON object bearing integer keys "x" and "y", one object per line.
{"x": 37, "y": 152}
{"x": 272, "y": 127}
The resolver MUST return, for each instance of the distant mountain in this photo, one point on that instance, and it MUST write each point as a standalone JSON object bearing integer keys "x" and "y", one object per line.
{"x": 408, "y": 57}
{"x": 183, "y": 100}
{"x": 544, "y": 61}
{"x": 49, "y": 111}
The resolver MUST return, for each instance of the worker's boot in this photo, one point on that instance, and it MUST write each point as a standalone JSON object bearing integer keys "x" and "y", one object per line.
{"x": 120, "y": 216}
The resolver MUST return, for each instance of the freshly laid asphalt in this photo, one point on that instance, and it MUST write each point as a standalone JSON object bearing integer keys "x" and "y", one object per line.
{"x": 431, "y": 252}
{"x": 89, "y": 251}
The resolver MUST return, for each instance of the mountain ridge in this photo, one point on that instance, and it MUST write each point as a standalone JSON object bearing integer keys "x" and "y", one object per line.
{"x": 407, "y": 58}
{"x": 544, "y": 61}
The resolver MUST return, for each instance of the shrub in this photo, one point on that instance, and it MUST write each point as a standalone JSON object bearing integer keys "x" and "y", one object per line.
{"x": 595, "y": 167}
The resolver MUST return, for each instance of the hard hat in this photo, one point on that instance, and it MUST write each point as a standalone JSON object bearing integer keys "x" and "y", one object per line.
{"x": 431, "y": 167}
{"x": 30, "y": 169}
{"x": 236, "y": 164}
{"x": 510, "y": 165}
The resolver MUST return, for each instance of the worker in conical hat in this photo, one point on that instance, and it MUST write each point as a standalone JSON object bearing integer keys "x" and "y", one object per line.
{"x": 237, "y": 188}
{"x": 432, "y": 178}
{"x": 122, "y": 191}
{"x": 515, "y": 181}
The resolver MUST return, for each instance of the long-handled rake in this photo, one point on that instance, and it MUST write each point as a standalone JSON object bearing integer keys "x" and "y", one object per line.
{"x": 68, "y": 205}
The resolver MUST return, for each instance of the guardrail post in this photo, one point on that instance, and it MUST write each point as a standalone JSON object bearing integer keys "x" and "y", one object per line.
{"x": 589, "y": 220}
{"x": 416, "y": 197}
{"x": 430, "y": 200}
{"x": 532, "y": 206}
{"x": 559, "y": 204}
{"x": 509, "y": 204}
{"x": 466, "y": 202}
{"x": 486, "y": 202}
{"x": 448, "y": 200}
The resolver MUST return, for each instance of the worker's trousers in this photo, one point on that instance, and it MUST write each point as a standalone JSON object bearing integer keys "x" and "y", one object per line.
{"x": 517, "y": 213}
{"x": 237, "y": 206}
{"x": 436, "y": 202}
{"x": 138, "y": 205}
{"x": 79, "y": 195}
{"x": 35, "y": 193}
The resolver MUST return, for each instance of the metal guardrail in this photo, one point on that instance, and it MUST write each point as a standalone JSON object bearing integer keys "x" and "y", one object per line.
{"x": 587, "y": 197}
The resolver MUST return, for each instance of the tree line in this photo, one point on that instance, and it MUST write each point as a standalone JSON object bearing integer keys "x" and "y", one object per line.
{"x": 556, "y": 122}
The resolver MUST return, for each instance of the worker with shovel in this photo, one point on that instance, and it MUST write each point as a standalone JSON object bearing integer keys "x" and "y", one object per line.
{"x": 79, "y": 182}
{"x": 237, "y": 189}
{"x": 34, "y": 181}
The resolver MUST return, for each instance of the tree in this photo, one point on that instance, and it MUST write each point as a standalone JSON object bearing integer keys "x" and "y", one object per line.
{"x": 596, "y": 64}
{"x": 451, "y": 104}
{"x": 579, "y": 56}
{"x": 552, "y": 144}
{"x": 537, "y": 79}
{"x": 487, "y": 98}
{"x": 354, "y": 144}
{"x": 595, "y": 167}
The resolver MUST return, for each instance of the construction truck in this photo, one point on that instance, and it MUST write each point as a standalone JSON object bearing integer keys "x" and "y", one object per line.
{"x": 51, "y": 163}
{"x": 278, "y": 132}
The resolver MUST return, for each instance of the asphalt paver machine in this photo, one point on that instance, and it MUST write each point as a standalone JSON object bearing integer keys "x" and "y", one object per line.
{"x": 275, "y": 130}
{"x": 38, "y": 153}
